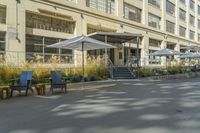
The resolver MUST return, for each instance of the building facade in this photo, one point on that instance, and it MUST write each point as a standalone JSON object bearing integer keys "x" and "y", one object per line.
{"x": 28, "y": 26}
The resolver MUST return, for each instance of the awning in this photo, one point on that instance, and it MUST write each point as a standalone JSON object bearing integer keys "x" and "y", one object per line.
{"x": 114, "y": 37}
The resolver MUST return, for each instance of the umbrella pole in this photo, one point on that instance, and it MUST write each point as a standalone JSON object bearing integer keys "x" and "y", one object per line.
{"x": 82, "y": 49}
{"x": 83, "y": 61}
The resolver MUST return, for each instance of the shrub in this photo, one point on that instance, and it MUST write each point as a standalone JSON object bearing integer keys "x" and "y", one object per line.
{"x": 94, "y": 70}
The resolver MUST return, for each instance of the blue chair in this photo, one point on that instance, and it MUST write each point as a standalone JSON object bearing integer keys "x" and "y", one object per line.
{"x": 23, "y": 83}
{"x": 57, "y": 81}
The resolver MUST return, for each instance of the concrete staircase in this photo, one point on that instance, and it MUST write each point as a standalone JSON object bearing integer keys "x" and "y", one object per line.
{"x": 122, "y": 73}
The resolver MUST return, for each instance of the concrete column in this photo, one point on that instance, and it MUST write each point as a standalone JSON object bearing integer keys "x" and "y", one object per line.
{"x": 177, "y": 17}
{"x": 163, "y": 59}
{"x": 196, "y": 20}
{"x": 177, "y": 48}
{"x": 119, "y": 8}
{"x": 81, "y": 29}
{"x": 145, "y": 13}
{"x": 15, "y": 37}
{"x": 187, "y": 19}
{"x": 145, "y": 51}
{"x": 163, "y": 19}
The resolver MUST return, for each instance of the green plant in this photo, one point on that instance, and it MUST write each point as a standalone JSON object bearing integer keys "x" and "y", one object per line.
{"x": 94, "y": 70}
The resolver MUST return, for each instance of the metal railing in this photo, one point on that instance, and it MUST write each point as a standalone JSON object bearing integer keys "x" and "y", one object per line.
{"x": 111, "y": 67}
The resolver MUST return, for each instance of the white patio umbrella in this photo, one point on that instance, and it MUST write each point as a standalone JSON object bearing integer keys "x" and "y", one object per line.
{"x": 190, "y": 55}
{"x": 165, "y": 52}
{"x": 81, "y": 43}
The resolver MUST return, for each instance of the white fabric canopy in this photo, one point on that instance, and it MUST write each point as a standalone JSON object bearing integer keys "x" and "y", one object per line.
{"x": 77, "y": 42}
{"x": 165, "y": 52}
{"x": 81, "y": 43}
{"x": 190, "y": 55}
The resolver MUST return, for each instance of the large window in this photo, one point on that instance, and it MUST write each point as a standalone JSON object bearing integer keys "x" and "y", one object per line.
{"x": 191, "y": 34}
{"x": 2, "y": 14}
{"x": 191, "y": 20}
{"x": 170, "y": 7}
{"x": 199, "y": 37}
{"x": 49, "y": 23}
{"x": 36, "y": 46}
{"x": 154, "y": 43}
{"x": 198, "y": 10}
{"x": 182, "y": 1}
{"x": 154, "y": 59}
{"x": 170, "y": 27}
{"x": 182, "y": 31}
{"x": 2, "y": 44}
{"x": 154, "y": 21}
{"x": 107, "y": 6}
{"x": 96, "y": 28}
{"x": 198, "y": 23}
{"x": 182, "y": 14}
{"x": 72, "y": 0}
{"x": 155, "y": 3}
{"x": 132, "y": 13}
{"x": 192, "y": 4}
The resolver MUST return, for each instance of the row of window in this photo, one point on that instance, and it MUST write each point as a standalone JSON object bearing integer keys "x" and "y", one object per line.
{"x": 49, "y": 23}
{"x": 36, "y": 46}
{"x": 182, "y": 32}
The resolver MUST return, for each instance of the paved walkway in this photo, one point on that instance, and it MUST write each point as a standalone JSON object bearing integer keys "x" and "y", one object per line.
{"x": 108, "y": 107}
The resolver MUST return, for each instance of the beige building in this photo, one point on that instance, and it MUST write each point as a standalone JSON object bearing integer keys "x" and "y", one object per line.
{"x": 27, "y": 26}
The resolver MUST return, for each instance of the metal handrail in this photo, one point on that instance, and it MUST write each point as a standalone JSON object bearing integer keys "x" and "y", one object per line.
{"x": 111, "y": 67}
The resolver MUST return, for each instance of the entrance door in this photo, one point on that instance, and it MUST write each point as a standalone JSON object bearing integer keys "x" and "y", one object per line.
{"x": 112, "y": 55}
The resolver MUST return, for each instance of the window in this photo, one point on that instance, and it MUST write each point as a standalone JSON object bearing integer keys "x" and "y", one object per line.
{"x": 72, "y": 1}
{"x": 49, "y": 23}
{"x": 199, "y": 37}
{"x": 95, "y": 28}
{"x": 170, "y": 7}
{"x": 170, "y": 27}
{"x": 2, "y": 43}
{"x": 132, "y": 13}
{"x": 154, "y": 59}
{"x": 191, "y": 34}
{"x": 154, "y": 43}
{"x": 191, "y": 20}
{"x": 107, "y": 6}
{"x": 2, "y": 15}
{"x": 154, "y": 21}
{"x": 198, "y": 10}
{"x": 182, "y": 1}
{"x": 182, "y": 14}
{"x": 36, "y": 46}
{"x": 192, "y": 4}
{"x": 199, "y": 23}
{"x": 155, "y": 3}
{"x": 182, "y": 31}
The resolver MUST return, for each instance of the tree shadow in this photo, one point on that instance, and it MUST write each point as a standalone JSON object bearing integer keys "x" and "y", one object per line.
{"x": 127, "y": 107}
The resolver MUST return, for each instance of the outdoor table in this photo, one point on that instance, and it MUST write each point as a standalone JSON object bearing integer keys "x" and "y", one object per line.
{"x": 4, "y": 88}
{"x": 40, "y": 88}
